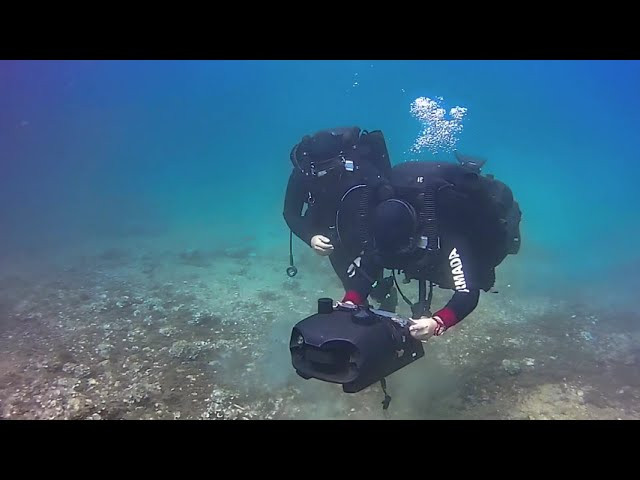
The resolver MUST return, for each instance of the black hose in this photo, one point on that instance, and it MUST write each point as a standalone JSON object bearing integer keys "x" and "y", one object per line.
{"x": 291, "y": 269}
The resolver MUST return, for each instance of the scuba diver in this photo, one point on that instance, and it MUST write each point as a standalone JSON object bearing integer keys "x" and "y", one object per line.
{"x": 329, "y": 167}
{"x": 444, "y": 223}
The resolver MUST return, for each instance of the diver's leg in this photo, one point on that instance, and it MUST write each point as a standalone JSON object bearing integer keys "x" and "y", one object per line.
{"x": 390, "y": 301}
{"x": 385, "y": 292}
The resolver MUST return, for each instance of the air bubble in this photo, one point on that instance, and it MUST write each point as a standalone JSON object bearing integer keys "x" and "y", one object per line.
{"x": 438, "y": 133}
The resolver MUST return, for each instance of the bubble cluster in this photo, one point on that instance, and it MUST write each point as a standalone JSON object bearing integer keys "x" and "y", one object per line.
{"x": 438, "y": 133}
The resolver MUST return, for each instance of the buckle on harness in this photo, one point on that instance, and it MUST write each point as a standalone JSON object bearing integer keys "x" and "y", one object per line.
{"x": 348, "y": 165}
{"x": 423, "y": 243}
{"x": 433, "y": 248}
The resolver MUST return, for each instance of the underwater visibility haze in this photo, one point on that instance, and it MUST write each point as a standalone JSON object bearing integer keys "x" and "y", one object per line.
{"x": 143, "y": 247}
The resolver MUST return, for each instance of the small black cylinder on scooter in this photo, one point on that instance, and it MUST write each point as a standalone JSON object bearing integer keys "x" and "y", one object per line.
{"x": 325, "y": 305}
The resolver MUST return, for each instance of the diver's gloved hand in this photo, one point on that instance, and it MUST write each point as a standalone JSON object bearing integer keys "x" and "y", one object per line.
{"x": 426, "y": 327}
{"x": 321, "y": 245}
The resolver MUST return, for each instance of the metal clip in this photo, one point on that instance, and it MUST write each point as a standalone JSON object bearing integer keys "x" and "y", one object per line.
{"x": 348, "y": 165}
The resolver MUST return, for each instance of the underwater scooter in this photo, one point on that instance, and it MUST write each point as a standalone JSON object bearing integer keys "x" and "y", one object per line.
{"x": 351, "y": 345}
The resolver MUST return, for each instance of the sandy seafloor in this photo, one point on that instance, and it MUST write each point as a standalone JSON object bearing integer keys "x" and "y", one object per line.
{"x": 125, "y": 331}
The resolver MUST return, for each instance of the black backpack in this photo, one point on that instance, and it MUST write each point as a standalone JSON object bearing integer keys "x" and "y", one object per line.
{"x": 479, "y": 206}
{"x": 500, "y": 232}
{"x": 373, "y": 149}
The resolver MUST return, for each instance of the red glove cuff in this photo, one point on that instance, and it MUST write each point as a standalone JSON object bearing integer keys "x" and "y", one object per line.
{"x": 447, "y": 316}
{"x": 353, "y": 296}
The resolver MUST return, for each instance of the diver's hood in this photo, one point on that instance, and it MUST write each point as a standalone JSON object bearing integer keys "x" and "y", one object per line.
{"x": 394, "y": 225}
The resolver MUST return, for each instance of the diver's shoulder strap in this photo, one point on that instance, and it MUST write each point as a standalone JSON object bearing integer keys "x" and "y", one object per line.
{"x": 428, "y": 218}
{"x": 428, "y": 224}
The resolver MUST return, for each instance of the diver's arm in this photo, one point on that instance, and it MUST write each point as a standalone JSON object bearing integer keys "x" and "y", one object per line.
{"x": 462, "y": 267}
{"x": 459, "y": 307}
{"x": 361, "y": 277}
{"x": 293, "y": 204}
